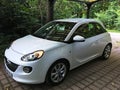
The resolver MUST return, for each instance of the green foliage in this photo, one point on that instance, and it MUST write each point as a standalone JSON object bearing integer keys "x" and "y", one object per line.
{"x": 111, "y": 16}
{"x": 25, "y": 16}
{"x": 16, "y": 17}
{"x": 67, "y": 9}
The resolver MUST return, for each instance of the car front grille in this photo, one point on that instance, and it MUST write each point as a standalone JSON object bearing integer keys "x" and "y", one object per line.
{"x": 12, "y": 66}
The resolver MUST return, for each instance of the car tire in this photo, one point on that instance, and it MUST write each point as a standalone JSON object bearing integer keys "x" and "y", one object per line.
{"x": 107, "y": 52}
{"x": 57, "y": 72}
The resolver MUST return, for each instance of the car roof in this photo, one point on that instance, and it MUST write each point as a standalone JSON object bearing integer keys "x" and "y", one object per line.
{"x": 80, "y": 20}
{"x": 77, "y": 20}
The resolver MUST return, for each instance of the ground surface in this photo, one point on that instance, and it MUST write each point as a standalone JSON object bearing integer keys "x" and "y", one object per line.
{"x": 95, "y": 75}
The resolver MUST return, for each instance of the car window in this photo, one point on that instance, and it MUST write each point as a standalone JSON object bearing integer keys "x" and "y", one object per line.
{"x": 56, "y": 31}
{"x": 89, "y": 29}
{"x": 96, "y": 28}
{"x": 84, "y": 30}
{"x": 100, "y": 29}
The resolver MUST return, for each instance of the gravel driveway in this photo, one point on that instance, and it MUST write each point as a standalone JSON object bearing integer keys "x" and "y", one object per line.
{"x": 115, "y": 39}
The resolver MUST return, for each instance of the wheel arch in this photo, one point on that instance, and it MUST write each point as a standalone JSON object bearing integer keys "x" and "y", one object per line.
{"x": 109, "y": 44}
{"x": 106, "y": 45}
{"x": 59, "y": 60}
{"x": 102, "y": 56}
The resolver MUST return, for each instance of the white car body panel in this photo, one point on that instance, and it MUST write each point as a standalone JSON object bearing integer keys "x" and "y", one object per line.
{"x": 30, "y": 43}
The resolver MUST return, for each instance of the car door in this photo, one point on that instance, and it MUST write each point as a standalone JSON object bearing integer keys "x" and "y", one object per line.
{"x": 99, "y": 37}
{"x": 84, "y": 51}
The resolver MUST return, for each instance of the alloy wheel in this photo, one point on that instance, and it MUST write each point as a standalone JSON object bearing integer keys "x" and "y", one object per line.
{"x": 58, "y": 72}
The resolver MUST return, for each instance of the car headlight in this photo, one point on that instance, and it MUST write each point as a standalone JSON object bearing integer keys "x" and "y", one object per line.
{"x": 33, "y": 56}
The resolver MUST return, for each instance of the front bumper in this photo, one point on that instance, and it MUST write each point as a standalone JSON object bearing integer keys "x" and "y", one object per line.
{"x": 15, "y": 69}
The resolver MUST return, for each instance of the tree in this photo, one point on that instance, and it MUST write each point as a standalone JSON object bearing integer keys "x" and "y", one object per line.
{"x": 67, "y": 9}
{"x": 50, "y": 10}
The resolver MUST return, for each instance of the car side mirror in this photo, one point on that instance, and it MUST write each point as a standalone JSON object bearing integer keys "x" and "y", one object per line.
{"x": 78, "y": 38}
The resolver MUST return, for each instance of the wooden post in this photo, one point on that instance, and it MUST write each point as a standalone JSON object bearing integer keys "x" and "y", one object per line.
{"x": 88, "y": 3}
{"x": 50, "y": 10}
{"x": 88, "y": 10}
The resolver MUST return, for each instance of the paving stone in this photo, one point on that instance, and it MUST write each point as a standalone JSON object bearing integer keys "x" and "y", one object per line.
{"x": 102, "y": 82}
{"x": 105, "y": 88}
{"x": 77, "y": 78}
{"x": 72, "y": 81}
{"x": 1, "y": 73}
{"x": 10, "y": 79}
{"x": 97, "y": 85}
{"x": 105, "y": 79}
{"x": 100, "y": 74}
{"x": 1, "y": 87}
{"x": 63, "y": 86}
{"x": 18, "y": 88}
{"x": 37, "y": 88}
{"x": 7, "y": 87}
{"x": 2, "y": 77}
{"x": 68, "y": 84}
{"x": 89, "y": 80}
{"x": 108, "y": 78}
{"x": 26, "y": 87}
{"x": 93, "y": 87}
{"x": 80, "y": 75}
{"x": 68, "y": 89}
{"x": 115, "y": 84}
{"x": 112, "y": 87}
{"x": 85, "y": 82}
{"x": 87, "y": 88}
{"x": 80, "y": 85}
{"x": 14, "y": 84}
{"x": 75, "y": 88}
{"x": 92, "y": 77}
{"x": 58, "y": 88}
{"x": 4, "y": 81}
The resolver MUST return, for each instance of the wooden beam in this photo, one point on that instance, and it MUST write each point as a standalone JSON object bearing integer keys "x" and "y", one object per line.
{"x": 86, "y": 1}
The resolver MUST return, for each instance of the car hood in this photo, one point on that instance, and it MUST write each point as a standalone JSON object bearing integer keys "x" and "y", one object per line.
{"x": 29, "y": 44}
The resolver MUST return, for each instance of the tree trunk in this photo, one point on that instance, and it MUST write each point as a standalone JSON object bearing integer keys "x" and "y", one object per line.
{"x": 50, "y": 10}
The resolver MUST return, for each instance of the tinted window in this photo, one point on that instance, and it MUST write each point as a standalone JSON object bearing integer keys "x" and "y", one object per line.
{"x": 99, "y": 29}
{"x": 84, "y": 30}
{"x": 89, "y": 30}
{"x": 96, "y": 28}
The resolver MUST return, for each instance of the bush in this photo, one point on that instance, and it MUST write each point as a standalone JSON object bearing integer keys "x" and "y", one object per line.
{"x": 16, "y": 17}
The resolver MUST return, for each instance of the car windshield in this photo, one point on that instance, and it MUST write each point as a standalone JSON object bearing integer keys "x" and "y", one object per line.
{"x": 55, "y": 31}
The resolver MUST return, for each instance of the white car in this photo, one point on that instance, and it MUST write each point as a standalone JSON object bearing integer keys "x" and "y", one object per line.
{"x": 56, "y": 48}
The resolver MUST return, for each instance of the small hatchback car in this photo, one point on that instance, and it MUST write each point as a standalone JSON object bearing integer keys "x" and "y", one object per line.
{"x": 56, "y": 48}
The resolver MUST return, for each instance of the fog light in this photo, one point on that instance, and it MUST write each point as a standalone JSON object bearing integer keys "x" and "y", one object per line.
{"x": 27, "y": 69}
